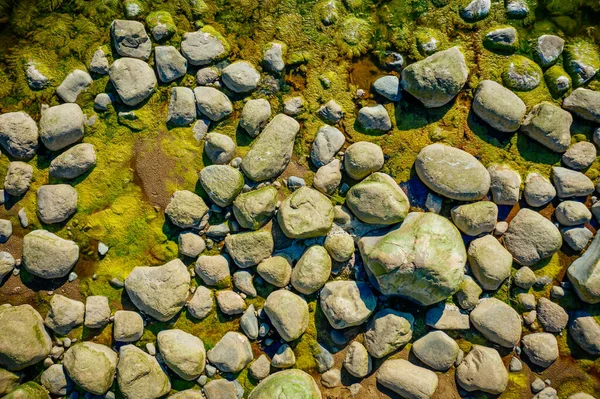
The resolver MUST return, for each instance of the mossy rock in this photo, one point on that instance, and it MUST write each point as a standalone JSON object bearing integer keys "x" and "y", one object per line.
{"x": 521, "y": 74}
{"x": 29, "y": 390}
{"x": 329, "y": 11}
{"x": 429, "y": 41}
{"x": 502, "y": 39}
{"x": 354, "y": 36}
{"x": 557, "y": 80}
{"x": 582, "y": 61}
{"x": 291, "y": 383}
{"x": 161, "y": 25}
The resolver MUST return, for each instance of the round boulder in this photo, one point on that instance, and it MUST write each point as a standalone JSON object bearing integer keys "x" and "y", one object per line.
{"x": 288, "y": 313}
{"x": 306, "y": 213}
{"x": 91, "y": 366}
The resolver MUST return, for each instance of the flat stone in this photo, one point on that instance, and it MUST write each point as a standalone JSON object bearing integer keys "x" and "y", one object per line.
{"x": 497, "y": 321}
{"x": 447, "y": 317}
{"x": 248, "y": 249}
{"x": 482, "y": 370}
{"x": 406, "y": 379}
{"x": 295, "y": 381}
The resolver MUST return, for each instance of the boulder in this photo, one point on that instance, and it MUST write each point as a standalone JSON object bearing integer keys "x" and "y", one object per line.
{"x": 248, "y": 249}
{"x": 331, "y": 112}
{"x": 388, "y": 331}
{"x": 61, "y": 126}
{"x": 18, "y": 135}
{"x": 7, "y": 265}
{"x": 549, "y": 125}
{"x": 541, "y": 349}
{"x": 64, "y": 315}
{"x": 570, "y": 183}
{"x": 130, "y": 39}
{"x": 182, "y": 107}
{"x": 284, "y": 357}
{"x": 159, "y": 291}
{"x": 219, "y": 148}
{"x": 340, "y": 245}
{"x": 91, "y": 366}
{"x": 583, "y": 273}
{"x": 585, "y": 331}
{"x": 538, "y": 190}
{"x": 23, "y": 338}
{"x": 97, "y": 311}
{"x": 212, "y": 103}
{"x": 582, "y": 61}
{"x": 475, "y": 218}
{"x": 482, "y": 370}
{"x": 378, "y": 200}
{"x": 288, "y": 313}
{"x": 531, "y": 237}
{"x": 99, "y": 63}
{"x": 437, "y": 350}
{"x": 56, "y": 203}
{"x": 75, "y": 82}
{"x": 271, "y": 152}
{"x": 183, "y": 353}
{"x": 294, "y": 383}
{"x": 572, "y": 213}
{"x": 521, "y": 74}
{"x": 186, "y": 209}
{"x": 48, "y": 256}
{"x": 374, "y": 119}
{"x": 128, "y": 326}
{"x": 254, "y": 209}
{"x": 201, "y": 303}
{"x": 584, "y": 103}
{"x": 249, "y": 323}
{"x": 497, "y": 321}
{"x": 422, "y": 261}
{"x": 74, "y": 162}
{"x": 388, "y": 87}
{"x": 328, "y": 142}
{"x": 347, "y": 303}
{"x": 275, "y": 270}
{"x": 55, "y": 380}
{"x": 490, "y": 262}
{"x": 28, "y": 390}
{"x": 362, "y": 158}
{"x": 161, "y": 25}
{"x": 133, "y": 79}
{"x": 547, "y": 50}
{"x": 437, "y": 79}
{"x": 140, "y": 376}
{"x": 222, "y": 183}
{"x": 498, "y": 107}
{"x": 255, "y": 115}
{"x": 475, "y": 10}
{"x": 170, "y": 64}
{"x": 312, "y": 270}
{"x": 18, "y": 178}
{"x": 502, "y": 40}
{"x": 213, "y": 270}
{"x": 328, "y": 177}
{"x": 306, "y": 213}
{"x": 407, "y": 380}
{"x": 447, "y": 317}
{"x": 505, "y": 184}
{"x": 240, "y": 77}
{"x": 232, "y": 353}
{"x": 273, "y": 57}
{"x": 204, "y": 46}
{"x": 444, "y": 170}
{"x": 580, "y": 156}
{"x": 357, "y": 360}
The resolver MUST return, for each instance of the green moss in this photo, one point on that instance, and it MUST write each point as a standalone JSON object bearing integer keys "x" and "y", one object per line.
{"x": 157, "y": 18}
{"x": 428, "y": 41}
{"x": 521, "y": 74}
{"x": 582, "y": 61}
{"x": 557, "y": 80}
{"x": 329, "y": 11}
{"x": 354, "y": 37}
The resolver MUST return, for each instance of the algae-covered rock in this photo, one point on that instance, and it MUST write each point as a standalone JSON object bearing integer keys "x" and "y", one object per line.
{"x": 293, "y": 383}
{"x": 133, "y": 79}
{"x": 161, "y": 25}
{"x": 248, "y": 249}
{"x": 306, "y": 213}
{"x": 288, "y": 313}
{"x": 18, "y": 178}
{"x": 547, "y": 50}
{"x": 549, "y": 125}
{"x": 378, "y": 200}
{"x": 503, "y": 40}
{"x": 476, "y": 218}
{"x": 271, "y": 152}
{"x": 422, "y": 261}
{"x": 18, "y": 135}
{"x": 91, "y": 366}
{"x": 437, "y": 79}
{"x": 531, "y": 237}
{"x": 222, "y": 183}
{"x": 48, "y": 256}
{"x": 354, "y": 38}
{"x": 204, "y": 46}
{"x": 159, "y": 291}
{"x": 254, "y": 209}
{"x": 29, "y": 390}
{"x": 340, "y": 245}
{"x": 498, "y": 107}
{"x": 583, "y": 273}
{"x": 558, "y": 81}
{"x": 452, "y": 173}
{"x": 275, "y": 270}
{"x": 312, "y": 270}
{"x": 23, "y": 338}
{"x": 388, "y": 331}
{"x": 522, "y": 74}
{"x": 140, "y": 376}
{"x": 255, "y": 115}
{"x": 582, "y": 61}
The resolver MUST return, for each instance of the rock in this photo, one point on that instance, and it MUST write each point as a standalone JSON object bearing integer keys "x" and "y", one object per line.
{"x": 312, "y": 270}
{"x": 182, "y": 107}
{"x": 284, "y": 357}
{"x": 254, "y": 209}
{"x": 230, "y": 303}
{"x": 273, "y": 57}
{"x": 331, "y": 112}
{"x": 201, "y": 303}
{"x": 232, "y": 353}
{"x": 54, "y": 380}
{"x": 161, "y": 25}
{"x": 18, "y": 135}
{"x": 531, "y": 237}
{"x": 476, "y": 218}
{"x": 549, "y": 125}
{"x": 339, "y": 245}
{"x": 186, "y": 209}
{"x": 220, "y": 389}
{"x": 357, "y": 360}
{"x": 294, "y": 381}
{"x": 557, "y": 80}
{"x": 521, "y": 74}
{"x": 208, "y": 76}
{"x": 437, "y": 350}
{"x": 582, "y": 274}
{"x": 572, "y": 213}
{"x": 502, "y": 40}
{"x": 541, "y": 349}
{"x": 204, "y": 46}
{"x": 547, "y": 50}
{"x": 585, "y": 331}
{"x": 130, "y": 39}
{"x": 74, "y": 162}
{"x": 75, "y": 82}
{"x": 331, "y": 378}
{"x": 241, "y": 77}
{"x": 328, "y": 177}
{"x": 374, "y": 119}
{"x": 275, "y": 270}
{"x": 139, "y": 375}
{"x": 490, "y": 262}
{"x": 213, "y": 270}
{"x": 324, "y": 359}
{"x": 525, "y": 278}
{"x": 293, "y": 106}
{"x": 305, "y": 213}
{"x": 97, "y": 311}
{"x": 133, "y": 79}
{"x": 577, "y": 237}
{"x": 56, "y": 203}
{"x": 248, "y": 249}
{"x": 538, "y": 190}
{"x": 362, "y": 158}
{"x": 48, "y": 256}
{"x": 102, "y": 102}
{"x": 260, "y": 368}
{"x": 91, "y": 366}
{"x": 222, "y": 183}
{"x": 443, "y": 170}
{"x": 580, "y": 155}
{"x": 406, "y": 379}
{"x": 219, "y": 148}
{"x": 191, "y": 244}
{"x": 388, "y": 331}
{"x": 388, "y": 87}
{"x": 288, "y": 313}
{"x": 498, "y": 107}
{"x": 28, "y": 390}
{"x": 447, "y": 317}
{"x": 347, "y": 303}
{"x": 183, "y": 353}
{"x": 188, "y": 394}
{"x": 64, "y": 315}
{"x": 99, "y": 63}
{"x": 378, "y": 200}
{"x": 23, "y": 338}
{"x": 61, "y": 126}
{"x": 18, "y": 178}
{"x": 328, "y": 142}
{"x": 497, "y": 321}
{"x": 255, "y": 115}
{"x": 212, "y": 103}
{"x": 35, "y": 79}
{"x": 475, "y": 10}
{"x": 505, "y": 184}
{"x": 582, "y": 62}
{"x": 551, "y": 316}
{"x": 584, "y": 103}
{"x": 468, "y": 293}
{"x": 272, "y": 150}
{"x": 159, "y": 291}
{"x": 398, "y": 266}
{"x": 5, "y": 230}
{"x": 7, "y": 265}
{"x": 580, "y": 395}
{"x": 515, "y": 365}
{"x": 437, "y": 79}
{"x": 570, "y": 183}
{"x": 482, "y": 370}
{"x": 249, "y": 323}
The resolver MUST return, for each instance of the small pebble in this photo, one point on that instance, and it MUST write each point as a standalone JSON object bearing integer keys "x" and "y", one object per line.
{"x": 72, "y": 276}
{"x": 102, "y": 248}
